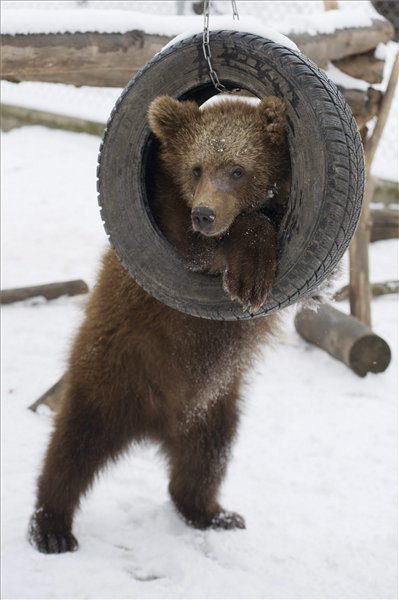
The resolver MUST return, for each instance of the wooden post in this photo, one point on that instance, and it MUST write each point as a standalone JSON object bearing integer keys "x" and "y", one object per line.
{"x": 330, "y": 4}
{"x": 359, "y": 277}
{"x": 358, "y": 251}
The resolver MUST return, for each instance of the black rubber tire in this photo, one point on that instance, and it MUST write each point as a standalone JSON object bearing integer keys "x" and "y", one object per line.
{"x": 327, "y": 170}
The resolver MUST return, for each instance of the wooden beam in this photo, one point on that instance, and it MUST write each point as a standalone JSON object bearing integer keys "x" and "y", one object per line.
{"x": 96, "y": 59}
{"x": 111, "y": 59}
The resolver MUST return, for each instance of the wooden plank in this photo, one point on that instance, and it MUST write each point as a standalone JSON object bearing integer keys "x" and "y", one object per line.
{"x": 111, "y": 59}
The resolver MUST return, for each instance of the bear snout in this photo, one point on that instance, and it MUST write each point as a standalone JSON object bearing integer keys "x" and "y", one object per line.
{"x": 202, "y": 218}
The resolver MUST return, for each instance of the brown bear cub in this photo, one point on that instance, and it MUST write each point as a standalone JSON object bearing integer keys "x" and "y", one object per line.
{"x": 139, "y": 369}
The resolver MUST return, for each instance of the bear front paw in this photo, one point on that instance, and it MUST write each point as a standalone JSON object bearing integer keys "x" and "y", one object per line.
{"x": 250, "y": 261}
{"x": 249, "y": 284}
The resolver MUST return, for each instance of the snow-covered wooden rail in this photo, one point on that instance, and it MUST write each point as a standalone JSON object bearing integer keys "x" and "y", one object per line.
{"x": 110, "y": 59}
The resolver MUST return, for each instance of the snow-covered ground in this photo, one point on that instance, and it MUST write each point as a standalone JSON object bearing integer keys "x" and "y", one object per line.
{"x": 314, "y": 470}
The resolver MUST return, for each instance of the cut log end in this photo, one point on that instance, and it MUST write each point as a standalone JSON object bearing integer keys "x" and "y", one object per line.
{"x": 369, "y": 354}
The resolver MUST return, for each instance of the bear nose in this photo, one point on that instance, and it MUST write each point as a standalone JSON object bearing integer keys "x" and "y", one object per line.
{"x": 202, "y": 217}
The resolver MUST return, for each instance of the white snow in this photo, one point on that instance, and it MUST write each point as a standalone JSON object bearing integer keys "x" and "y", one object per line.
{"x": 314, "y": 470}
{"x": 26, "y": 21}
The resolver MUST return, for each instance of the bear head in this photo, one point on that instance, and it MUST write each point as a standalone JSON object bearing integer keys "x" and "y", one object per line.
{"x": 225, "y": 159}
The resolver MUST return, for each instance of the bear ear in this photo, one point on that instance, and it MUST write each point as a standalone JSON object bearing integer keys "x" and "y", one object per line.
{"x": 272, "y": 111}
{"x": 167, "y": 115}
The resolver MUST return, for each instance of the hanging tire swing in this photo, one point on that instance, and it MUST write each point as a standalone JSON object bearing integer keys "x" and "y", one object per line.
{"x": 326, "y": 158}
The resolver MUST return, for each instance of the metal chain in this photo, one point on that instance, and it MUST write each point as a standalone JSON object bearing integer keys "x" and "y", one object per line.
{"x": 207, "y": 48}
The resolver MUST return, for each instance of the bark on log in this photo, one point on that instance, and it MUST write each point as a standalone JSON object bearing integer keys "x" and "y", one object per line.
{"x": 111, "y": 59}
{"x": 384, "y": 224}
{"x": 345, "y": 338}
{"x": 50, "y": 291}
{"x": 51, "y": 398}
{"x": 363, "y": 66}
{"x": 18, "y": 116}
{"x": 377, "y": 289}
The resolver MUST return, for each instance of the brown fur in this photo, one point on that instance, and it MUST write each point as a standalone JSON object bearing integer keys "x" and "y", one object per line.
{"x": 139, "y": 369}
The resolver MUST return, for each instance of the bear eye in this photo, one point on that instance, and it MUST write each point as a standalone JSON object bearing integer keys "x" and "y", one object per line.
{"x": 197, "y": 172}
{"x": 237, "y": 172}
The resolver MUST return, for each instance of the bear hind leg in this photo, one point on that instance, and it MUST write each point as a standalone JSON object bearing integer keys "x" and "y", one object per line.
{"x": 83, "y": 441}
{"x": 198, "y": 461}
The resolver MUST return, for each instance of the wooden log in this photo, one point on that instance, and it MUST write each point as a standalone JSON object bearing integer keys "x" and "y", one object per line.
{"x": 384, "y": 224}
{"x": 51, "y": 397}
{"x": 377, "y": 289}
{"x": 111, "y": 59}
{"x": 50, "y": 291}
{"x": 364, "y": 104}
{"x": 345, "y": 338}
{"x": 19, "y": 116}
{"x": 362, "y": 66}
{"x": 97, "y": 59}
{"x": 325, "y": 48}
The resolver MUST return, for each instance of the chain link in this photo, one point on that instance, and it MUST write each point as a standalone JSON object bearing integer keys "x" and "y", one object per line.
{"x": 207, "y": 48}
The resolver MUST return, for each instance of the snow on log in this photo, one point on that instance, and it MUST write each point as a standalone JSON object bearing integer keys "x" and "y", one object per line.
{"x": 345, "y": 338}
{"x": 50, "y": 291}
{"x": 111, "y": 59}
